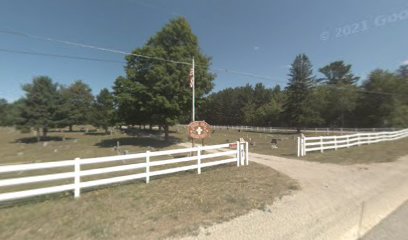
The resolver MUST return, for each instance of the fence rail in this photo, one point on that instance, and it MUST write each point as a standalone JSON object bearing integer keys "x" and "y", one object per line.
{"x": 231, "y": 153}
{"x": 322, "y": 143}
{"x": 309, "y": 130}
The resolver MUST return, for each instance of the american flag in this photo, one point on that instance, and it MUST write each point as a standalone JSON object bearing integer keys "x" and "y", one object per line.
{"x": 191, "y": 77}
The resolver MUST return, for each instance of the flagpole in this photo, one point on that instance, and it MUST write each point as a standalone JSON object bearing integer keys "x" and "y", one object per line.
{"x": 193, "y": 112}
{"x": 193, "y": 105}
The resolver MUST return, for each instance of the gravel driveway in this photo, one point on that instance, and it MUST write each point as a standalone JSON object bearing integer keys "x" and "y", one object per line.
{"x": 335, "y": 202}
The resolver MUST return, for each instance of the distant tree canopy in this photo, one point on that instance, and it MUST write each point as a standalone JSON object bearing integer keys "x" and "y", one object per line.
{"x": 158, "y": 92}
{"x": 103, "y": 111}
{"x": 76, "y": 103}
{"x": 155, "y": 90}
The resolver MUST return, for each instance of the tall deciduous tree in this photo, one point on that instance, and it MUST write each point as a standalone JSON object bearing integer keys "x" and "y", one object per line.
{"x": 76, "y": 104}
{"x": 103, "y": 112}
{"x": 161, "y": 89}
{"x": 298, "y": 108}
{"x": 40, "y": 105}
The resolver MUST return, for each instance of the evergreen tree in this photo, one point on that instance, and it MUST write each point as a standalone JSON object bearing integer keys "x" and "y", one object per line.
{"x": 338, "y": 73}
{"x": 342, "y": 93}
{"x": 298, "y": 109}
{"x": 40, "y": 106}
{"x": 4, "y": 106}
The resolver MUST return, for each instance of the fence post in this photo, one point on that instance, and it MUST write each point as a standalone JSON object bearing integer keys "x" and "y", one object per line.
{"x": 303, "y": 147}
{"x": 298, "y": 148}
{"x": 321, "y": 144}
{"x": 77, "y": 180}
{"x": 238, "y": 154}
{"x": 242, "y": 153}
{"x": 335, "y": 142}
{"x": 246, "y": 153}
{"x": 348, "y": 142}
{"x": 147, "y": 166}
{"x": 358, "y": 139}
{"x": 199, "y": 160}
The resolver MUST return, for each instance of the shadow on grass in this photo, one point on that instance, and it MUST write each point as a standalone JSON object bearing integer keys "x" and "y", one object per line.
{"x": 30, "y": 140}
{"x": 274, "y": 132}
{"x": 97, "y": 134}
{"x": 138, "y": 141}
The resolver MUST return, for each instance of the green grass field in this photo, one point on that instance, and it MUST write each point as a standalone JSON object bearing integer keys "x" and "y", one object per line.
{"x": 172, "y": 205}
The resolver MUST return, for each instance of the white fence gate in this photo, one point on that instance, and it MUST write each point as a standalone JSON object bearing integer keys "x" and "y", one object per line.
{"x": 78, "y": 169}
{"x": 310, "y": 144}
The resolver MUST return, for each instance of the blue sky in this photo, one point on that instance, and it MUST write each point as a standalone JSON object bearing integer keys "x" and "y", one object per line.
{"x": 259, "y": 36}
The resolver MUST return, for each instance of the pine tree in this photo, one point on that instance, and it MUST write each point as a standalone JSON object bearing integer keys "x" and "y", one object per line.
{"x": 298, "y": 109}
{"x": 40, "y": 106}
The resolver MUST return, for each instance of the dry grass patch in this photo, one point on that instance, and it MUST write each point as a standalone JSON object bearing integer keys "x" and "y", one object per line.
{"x": 168, "y": 206}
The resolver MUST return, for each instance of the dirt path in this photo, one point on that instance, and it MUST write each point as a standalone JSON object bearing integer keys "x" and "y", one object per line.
{"x": 335, "y": 202}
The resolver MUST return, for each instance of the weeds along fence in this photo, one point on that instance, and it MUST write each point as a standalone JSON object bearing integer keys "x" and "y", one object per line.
{"x": 308, "y": 130}
{"x": 76, "y": 175}
{"x": 322, "y": 143}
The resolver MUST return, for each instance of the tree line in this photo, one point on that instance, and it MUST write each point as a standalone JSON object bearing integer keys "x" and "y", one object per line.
{"x": 155, "y": 91}
{"x": 334, "y": 100}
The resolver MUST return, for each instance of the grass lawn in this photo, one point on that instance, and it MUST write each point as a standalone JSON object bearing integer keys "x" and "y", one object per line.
{"x": 16, "y": 147}
{"x": 287, "y": 147}
{"x": 169, "y": 206}
{"x": 373, "y": 153}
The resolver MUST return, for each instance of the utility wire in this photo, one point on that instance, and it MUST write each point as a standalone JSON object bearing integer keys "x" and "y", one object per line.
{"x": 27, "y": 35}
{"x": 59, "y": 56}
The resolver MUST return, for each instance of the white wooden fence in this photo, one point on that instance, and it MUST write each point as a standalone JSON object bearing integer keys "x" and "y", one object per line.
{"x": 309, "y": 130}
{"x": 310, "y": 144}
{"x": 200, "y": 156}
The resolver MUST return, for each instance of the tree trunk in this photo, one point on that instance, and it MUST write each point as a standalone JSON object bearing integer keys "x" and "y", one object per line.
{"x": 45, "y": 131}
{"x": 38, "y": 135}
{"x": 70, "y": 128}
{"x": 166, "y": 132}
{"x": 150, "y": 127}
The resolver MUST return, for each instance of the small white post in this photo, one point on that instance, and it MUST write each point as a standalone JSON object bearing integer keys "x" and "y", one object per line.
{"x": 303, "y": 147}
{"x": 242, "y": 151}
{"x": 199, "y": 160}
{"x": 298, "y": 144}
{"x": 247, "y": 153}
{"x": 321, "y": 144}
{"x": 147, "y": 166}
{"x": 335, "y": 142}
{"x": 238, "y": 154}
{"x": 77, "y": 180}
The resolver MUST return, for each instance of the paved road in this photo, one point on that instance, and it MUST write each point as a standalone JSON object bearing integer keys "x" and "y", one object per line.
{"x": 394, "y": 227}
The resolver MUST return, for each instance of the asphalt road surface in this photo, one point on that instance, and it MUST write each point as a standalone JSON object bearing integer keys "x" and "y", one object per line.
{"x": 394, "y": 227}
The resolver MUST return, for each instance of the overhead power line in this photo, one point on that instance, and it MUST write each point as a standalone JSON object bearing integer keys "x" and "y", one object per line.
{"x": 59, "y": 56}
{"x": 76, "y": 44}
